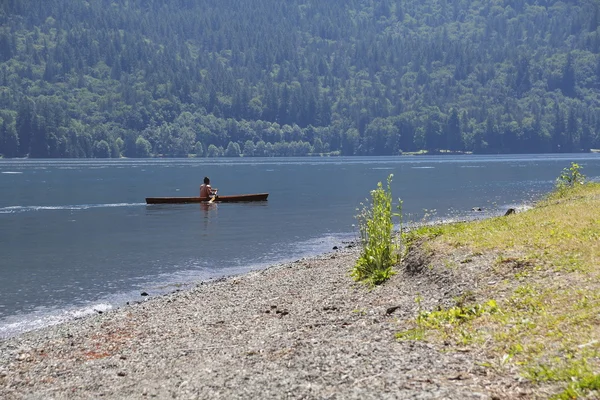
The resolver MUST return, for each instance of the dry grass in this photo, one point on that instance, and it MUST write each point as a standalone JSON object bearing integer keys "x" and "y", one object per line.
{"x": 543, "y": 318}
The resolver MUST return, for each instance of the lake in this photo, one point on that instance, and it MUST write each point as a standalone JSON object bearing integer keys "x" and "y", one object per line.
{"x": 76, "y": 236}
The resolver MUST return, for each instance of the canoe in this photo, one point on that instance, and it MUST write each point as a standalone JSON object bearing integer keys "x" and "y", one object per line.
{"x": 239, "y": 198}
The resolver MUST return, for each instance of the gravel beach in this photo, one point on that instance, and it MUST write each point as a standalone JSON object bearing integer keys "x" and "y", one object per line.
{"x": 302, "y": 330}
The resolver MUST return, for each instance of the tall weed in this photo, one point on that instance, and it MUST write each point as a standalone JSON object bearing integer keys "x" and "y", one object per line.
{"x": 568, "y": 178}
{"x": 379, "y": 249}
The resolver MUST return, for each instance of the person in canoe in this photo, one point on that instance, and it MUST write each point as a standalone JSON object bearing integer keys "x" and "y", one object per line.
{"x": 206, "y": 190}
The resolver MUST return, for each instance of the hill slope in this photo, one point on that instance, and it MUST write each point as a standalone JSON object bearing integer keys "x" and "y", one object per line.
{"x": 136, "y": 78}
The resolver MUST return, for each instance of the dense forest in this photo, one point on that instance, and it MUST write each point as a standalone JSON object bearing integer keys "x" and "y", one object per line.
{"x": 174, "y": 78}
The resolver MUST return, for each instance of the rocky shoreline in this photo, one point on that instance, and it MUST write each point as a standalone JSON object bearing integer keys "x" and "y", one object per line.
{"x": 298, "y": 330}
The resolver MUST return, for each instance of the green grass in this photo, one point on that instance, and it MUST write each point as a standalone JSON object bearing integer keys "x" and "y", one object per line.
{"x": 563, "y": 232}
{"x": 452, "y": 322}
{"x": 546, "y": 314}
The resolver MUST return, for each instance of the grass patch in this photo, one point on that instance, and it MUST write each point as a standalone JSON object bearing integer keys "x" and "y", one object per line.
{"x": 558, "y": 234}
{"x": 544, "y": 316}
{"x": 579, "y": 388}
{"x": 450, "y": 323}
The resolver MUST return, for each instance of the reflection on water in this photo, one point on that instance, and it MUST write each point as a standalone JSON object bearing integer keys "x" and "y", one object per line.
{"x": 206, "y": 207}
{"x": 208, "y": 212}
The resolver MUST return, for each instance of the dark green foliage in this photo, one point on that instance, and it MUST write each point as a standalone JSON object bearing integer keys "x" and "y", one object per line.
{"x": 233, "y": 150}
{"x": 198, "y": 149}
{"x": 303, "y": 76}
{"x": 454, "y": 140}
{"x": 142, "y": 147}
{"x": 101, "y": 149}
{"x": 214, "y": 151}
{"x": 9, "y": 140}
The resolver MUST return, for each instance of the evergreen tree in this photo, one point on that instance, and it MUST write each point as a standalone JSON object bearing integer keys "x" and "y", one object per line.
{"x": 6, "y": 51}
{"x": 249, "y": 148}
{"x": 261, "y": 149}
{"x": 523, "y": 79}
{"x": 9, "y": 140}
{"x": 453, "y": 132}
{"x": 567, "y": 84}
{"x": 573, "y": 139}
{"x": 595, "y": 18}
{"x": 558, "y": 142}
{"x": 432, "y": 135}
{"x": 39, "y": 147}
{"x": 25, "y": 125}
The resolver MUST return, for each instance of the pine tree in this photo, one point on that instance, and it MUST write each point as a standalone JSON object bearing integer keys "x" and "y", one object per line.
{"x": 6, "y": 51}
{"x": 453, "y": 132}
{"x": 573, "y": 139}
{"x": 39, "y": 147}
{"x": 567, "y": 84}
{"x": 25, "y": 125}
{"x": 9, "y": 140}
{"x": 558, "y": 145}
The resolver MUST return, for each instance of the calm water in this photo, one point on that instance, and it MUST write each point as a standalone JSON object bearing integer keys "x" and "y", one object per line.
{"x": 76, "y": 236}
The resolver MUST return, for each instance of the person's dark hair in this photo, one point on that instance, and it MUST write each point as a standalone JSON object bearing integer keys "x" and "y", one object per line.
{"x": 206, "y": 180}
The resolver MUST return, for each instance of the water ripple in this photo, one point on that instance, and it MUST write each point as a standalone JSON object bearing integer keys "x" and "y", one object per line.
{"x": 22, "y": 209}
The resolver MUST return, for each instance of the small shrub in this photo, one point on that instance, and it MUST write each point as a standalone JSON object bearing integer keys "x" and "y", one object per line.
{"x": 379, "y": 250}
{"x": 570, "y": 177}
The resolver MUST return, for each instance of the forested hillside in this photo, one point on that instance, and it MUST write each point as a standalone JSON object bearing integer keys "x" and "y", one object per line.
{"x": 141, "y": 78}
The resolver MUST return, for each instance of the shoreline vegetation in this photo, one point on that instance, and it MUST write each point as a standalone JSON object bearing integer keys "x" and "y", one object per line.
{"x": 498, "y": 308}
{"x": 329, "y": 154}
{"x": 533, "y": 304}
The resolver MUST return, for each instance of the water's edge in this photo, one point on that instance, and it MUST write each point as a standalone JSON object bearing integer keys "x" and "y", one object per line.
{"x": 22, "y": 324}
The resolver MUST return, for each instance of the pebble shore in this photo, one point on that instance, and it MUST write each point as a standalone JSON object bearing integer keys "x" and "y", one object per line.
{"x": 302, "y": 330}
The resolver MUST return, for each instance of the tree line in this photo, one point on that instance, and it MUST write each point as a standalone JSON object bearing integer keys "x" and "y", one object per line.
{"x": 142, "y": 78}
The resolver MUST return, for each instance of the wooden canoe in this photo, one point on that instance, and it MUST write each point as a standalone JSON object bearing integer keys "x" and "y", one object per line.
{"x": 219, "y": 199}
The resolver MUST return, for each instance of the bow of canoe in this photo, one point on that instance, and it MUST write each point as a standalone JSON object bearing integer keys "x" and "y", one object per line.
{"x": 219, "y": 199}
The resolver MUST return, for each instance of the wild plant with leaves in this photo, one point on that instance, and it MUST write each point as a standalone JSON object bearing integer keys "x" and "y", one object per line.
{"x": 376, "y": 228}
{"x": 569, "y": 178}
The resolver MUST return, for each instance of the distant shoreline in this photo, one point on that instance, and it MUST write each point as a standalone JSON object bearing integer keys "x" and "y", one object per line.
{"x": 312, "y": 155}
